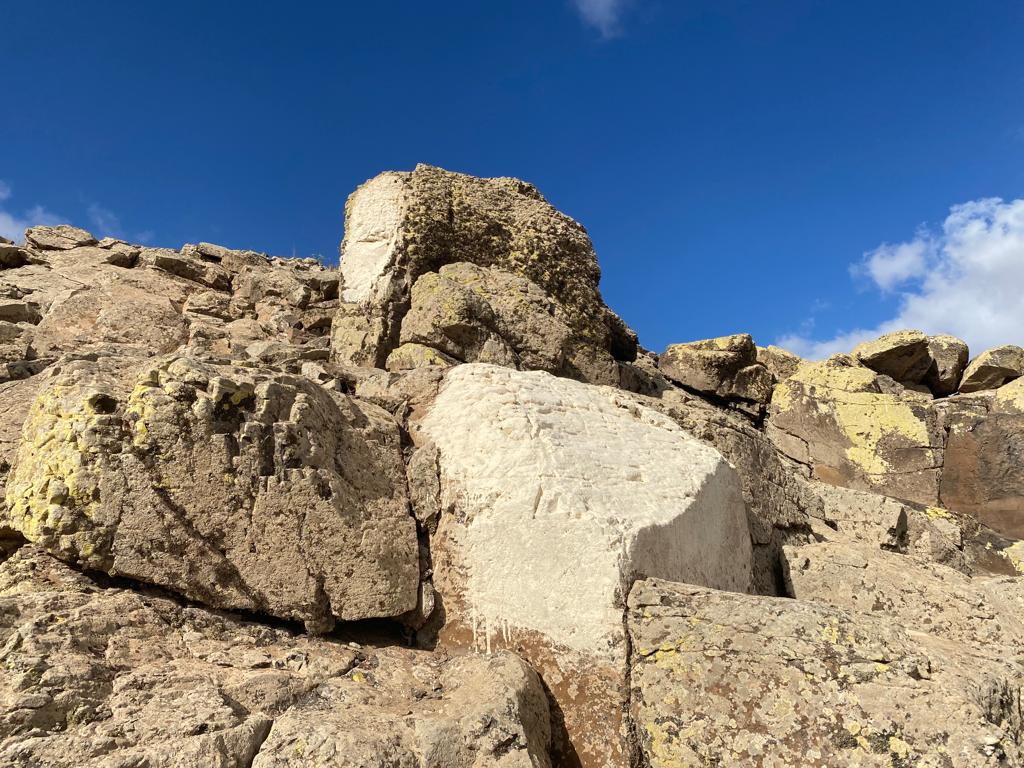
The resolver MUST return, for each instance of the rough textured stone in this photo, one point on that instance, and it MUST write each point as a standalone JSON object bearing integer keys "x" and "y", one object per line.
{"x": 855, "y": 428}
{"x": 241, "y": 489}
{"x": 479, "y": 314}
{"x": 62, "y": 237}
{"x": 901, "y": 355}
{"x": 103, "y": 676}
{"x": 983, "y": 471}
{"x": 993, "y": 368}
{"x": 399, "y": 226}
{"x": 540, "y": 476}
{"x": 781, "y": 363}
{"x": 949, "y": 359}
{"x": 728, "y": 679}
{"x": 979, "y": 613}
{"x": 934, "y": 534}
{"x": 726, "y": 366}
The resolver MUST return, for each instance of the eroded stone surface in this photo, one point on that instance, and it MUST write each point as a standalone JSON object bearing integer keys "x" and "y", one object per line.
{"x": 556, "y": 495}
{"x": 729, "y": 679}
{"x": 901, "y": 355}
{"x": 855, "y": 428}
{"x": 235, "y": 487}
{"x": 400, "y": 226}
{"x": 949, "y": 359}
{"x": 98, "y": 677}
{"x": 993, "y": 368}
{"x": 726, "y": 366}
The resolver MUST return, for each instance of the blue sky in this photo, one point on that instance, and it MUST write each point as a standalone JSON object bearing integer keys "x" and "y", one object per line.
{"x": 786, "y": 169}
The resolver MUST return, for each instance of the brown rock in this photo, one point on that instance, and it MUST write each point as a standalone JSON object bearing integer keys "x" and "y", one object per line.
{"x": 400, "y": 226}
{"x": 110, "y": 676}
{"x": 728, "y": 679}
{"x": 993, "y": 368}
{"x": 855, "y": 428}
{"x": 781, "y": 363}
{"x": 901, "y": 355}
{"x": 234, "y": 487}
{"x": 726, "y": 367}
{"x": 62, "y": 237}
{"x": 949, "y": 359}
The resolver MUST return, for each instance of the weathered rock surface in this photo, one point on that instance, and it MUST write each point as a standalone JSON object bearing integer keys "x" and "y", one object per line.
{"x": 729, "y": 679}
{"x": 949, "y": 360}
{"x": 100, "y": 676}
{"x": 234, "y": 487}
{"x": 399, "y": 226}
{"x": 556, "y": 496}
{"x": 852, "y": 427}
{"x": 60, "y": 238}
{"x": 726, "y": 367}
{"x": 398, "y": 453}
{"x": 993, "y": 368}
{"x": 901, "y": 355}
{"x": 983, "y": 471}
{"x": 471, "y": 314}
{"x": 781, "y": 363}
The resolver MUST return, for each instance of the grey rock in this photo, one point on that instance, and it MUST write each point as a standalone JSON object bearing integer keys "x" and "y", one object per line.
{"x": 993, "y": 368}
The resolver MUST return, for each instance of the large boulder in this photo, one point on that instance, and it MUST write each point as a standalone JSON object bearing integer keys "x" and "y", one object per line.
{"x": 853, "y": 427}
{"x": 901, "y": 355}
{"x": 239, "y": 488}
{"x": 726, "y": 367}
{"x": 469, "y": 313}
{"x": 728, "y": 679}
{"x": 949, "y": 359}
{"x": 781, "y": 363}
{"x": 104, "y": 676}
{"x": 62, "y": 237}
{"x": 993, "y": 368}
{"x": 399, "y": 226}
{"x": 555, "y": 495}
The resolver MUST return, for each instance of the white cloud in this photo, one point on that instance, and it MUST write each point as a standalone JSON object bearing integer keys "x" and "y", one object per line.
{"x": 106, "y": 223}
{"x": 13, "y": 225}
{"x": 604, "y": 15}
{"x": 967, "y": 280}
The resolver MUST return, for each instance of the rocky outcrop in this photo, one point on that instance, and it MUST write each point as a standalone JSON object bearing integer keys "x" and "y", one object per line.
{"x": 726, "y": 367}
{"x": 852, "y": 427}
{"x": 993, "y": 368}
{"x": 400, "y": 226}
{"x": 949, "y": 360}
{"x": 541, "y": 476}
{"x": 468, "y": 522}
{"x": 240, "y": 489}
{"x": 728, "y": 679}
{"x": 98, "y": 675}
{"x": 467, "y": 313}
{"x": 902, "y": 356}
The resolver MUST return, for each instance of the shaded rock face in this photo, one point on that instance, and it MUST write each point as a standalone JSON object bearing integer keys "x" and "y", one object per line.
{"x": 983, "y": 472}
{"x": 542, "y": 476}
{"x": 902, "y": 356}
{"x": 240, "y": 489}
{"x": 399, "y": 226}
{"x": 103, "y": 676}
{"x": 949, "y": 359}
{"x": 993, "y": 368}
{"x": 726, "y": 367}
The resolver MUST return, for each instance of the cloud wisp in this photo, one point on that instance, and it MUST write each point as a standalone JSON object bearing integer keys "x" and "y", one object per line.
{"x": 12, "y": 224}
{"x": 966, "y": 279}
{"x": 603, "y": 15}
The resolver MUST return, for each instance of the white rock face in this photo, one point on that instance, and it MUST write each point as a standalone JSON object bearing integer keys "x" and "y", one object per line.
{"x": 375, "y": 212}
{"x": 568, "y": 492}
